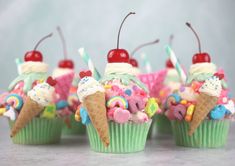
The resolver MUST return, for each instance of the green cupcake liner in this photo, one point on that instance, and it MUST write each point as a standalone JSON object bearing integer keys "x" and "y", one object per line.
{"x": 210, "y": 134}
{"x": 163, "y": 125}
{"x": 124, "y": 138}
{"x": 39, "y": 131}
{"x": 77, "y": 128}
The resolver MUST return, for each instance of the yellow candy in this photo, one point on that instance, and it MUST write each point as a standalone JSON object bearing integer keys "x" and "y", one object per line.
{"x": 49, "y": 112}
{"x": 184, "y": 102}
{"x": 77, "y": 114}
{"x": 107, "y": 86}
{"x": 151, "y": 107}
{"x": 2, "y": 111}
{"x": 189, "y": 113}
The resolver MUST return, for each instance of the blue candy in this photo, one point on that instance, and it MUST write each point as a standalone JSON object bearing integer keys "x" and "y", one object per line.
{"x": 85, "y": 117}
{"x": 218, "y": 112}
{"x": 61, "y": 104}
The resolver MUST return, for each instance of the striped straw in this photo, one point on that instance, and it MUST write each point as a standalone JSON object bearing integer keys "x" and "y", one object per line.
{"x": 86, "y": 58}
{"x": 18, "y": 62}
{"x": 147, "y": 64}
{"x": 176, "y": 63}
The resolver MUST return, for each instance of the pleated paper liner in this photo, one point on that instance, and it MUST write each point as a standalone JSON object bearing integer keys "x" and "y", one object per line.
{"x": 77, "y": 128}
{"x": 163, "y": 125}
{"x": 124, "y": 138}
{"x": 210, "y": 134}
{"x": 39, "y": 131}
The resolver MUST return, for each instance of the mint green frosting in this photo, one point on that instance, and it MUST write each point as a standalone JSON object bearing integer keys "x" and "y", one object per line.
{"x": 125, "y": 79}
{"x": 28, "y": 80}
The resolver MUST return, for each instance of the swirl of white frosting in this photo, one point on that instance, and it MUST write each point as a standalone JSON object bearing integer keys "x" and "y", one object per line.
{"x": 212, "y": 87}
{"x": 60, "y": 71}
{"x": 172, "y": 73}
{"x": 42, "y": 93}
{"x": 88, "y": 86}
{"x": 119, "y": 68}
{"x": 33, "y": 67}
{"x": 202, "y": 68}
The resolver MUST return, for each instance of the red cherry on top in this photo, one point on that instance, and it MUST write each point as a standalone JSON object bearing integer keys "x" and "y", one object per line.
{"x": 85, "y": 73}
{"x": 169, "y": 64}
{"x": 134, "y": 62}
{"x": 66, "y": 63}
{"x": 51, "y": 81}
{"x": 35, "y": 55}
{"x": 119, "y": 55}
{"x": 199, "y": 57}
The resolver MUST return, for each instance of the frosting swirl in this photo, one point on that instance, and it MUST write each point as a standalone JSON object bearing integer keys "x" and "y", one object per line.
{"x": 60, "y": 71}
{"x": 119, "y": 68}
{"x": 33, "y": 67}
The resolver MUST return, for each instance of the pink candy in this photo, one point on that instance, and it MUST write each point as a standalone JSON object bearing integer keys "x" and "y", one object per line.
{"x": 121, "y": 115}
{"x": 136, "y": 104}
{"x": 139, "y": 117}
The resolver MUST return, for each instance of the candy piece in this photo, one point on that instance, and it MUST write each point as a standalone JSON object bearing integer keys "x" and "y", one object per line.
{"x": 2, "y": 111}
{"x": 121, "y": 115}
{"x": 15, "y": 100}
{"x": 117, "y": 101}
{"x": 77, "y": 114}
{"x": 107, "y": 86}
{"x": 136, "y": 104}
{"x": 85, "y": 117}
{"x": 49, "y": 112}
{"x": 230, "y": 106}
{"x": 172, "y": 99}
{"x": 184, "y": 102}
{"x": 189, "y": 113}
{"x": 61, "y": 104}
{"x": 179, "y": 111}
{"x": 11, "y": 113}
{"x": 151, "y": 107}
{"x": 218, "y": 112}
{"x": 128, "y": 92}
{"x": 139, "y": 117}
{"x": 111, "y": 112}
{"x": 169, "y": 114}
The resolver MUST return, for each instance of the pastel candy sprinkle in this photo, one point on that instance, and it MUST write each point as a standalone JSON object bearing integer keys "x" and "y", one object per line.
{"x": 128, "y": 92}
{"x": 184, "y": 102}
{"x": 15, "y": 100}
{"x": 121, "y": 115}
{"x": 117, "y": 101}
{"x": 85, "y": 117}
{"x": 49, "y": 112}
{"x": 151, "y": 107}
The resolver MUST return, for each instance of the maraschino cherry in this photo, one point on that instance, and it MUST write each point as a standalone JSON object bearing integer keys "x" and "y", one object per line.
{"x": 168, "y": 62}
{"x": 133, "y": 61}
{"x": 35, "y": 55}
{"x": 119, "y": 55}
{"x": 65, "y": 63}
{"x": 199, "y": 57}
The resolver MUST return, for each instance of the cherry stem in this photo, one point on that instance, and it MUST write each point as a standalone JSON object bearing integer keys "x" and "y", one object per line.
{"x": 39, "y": 42}
{"x": 195, "y": 33}
{"x": 171, "y": 39}
{"x": 63, "y": 41}
{"x": 143, "y": 45}
{"x": 121, "y": 27}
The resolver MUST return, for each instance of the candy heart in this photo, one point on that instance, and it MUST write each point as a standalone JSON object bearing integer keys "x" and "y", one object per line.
{"x": 85, "y": 73}
{"x": 121, "y": 116}
{"x": 11, "y": 113}
{"x": 51, "y": 81}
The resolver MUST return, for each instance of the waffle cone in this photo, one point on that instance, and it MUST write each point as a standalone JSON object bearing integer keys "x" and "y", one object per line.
{"x": 205, "y": 104}
{"x": 95, "y": 105}
{"x": 27, "y": 113}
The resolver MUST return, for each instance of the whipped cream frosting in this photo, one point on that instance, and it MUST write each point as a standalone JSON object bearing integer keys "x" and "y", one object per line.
{"x": 42, "y": 93}
{"x": 88, "y": 86}
{"x": 202, "y": 68}
{"x": 136, "y": 71}
{"x": 119, "y": 68}
{"x": 61, "y": 71}
{"x": 212, "y": 87}
{"x": 33, "y": 67}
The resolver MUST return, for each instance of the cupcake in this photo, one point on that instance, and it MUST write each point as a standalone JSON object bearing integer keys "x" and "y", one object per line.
{"x": 29, "y": 103}
{"x": 117, "y": 110}
{"x": 200, "y": 110}
{"x": 64, "y": 75}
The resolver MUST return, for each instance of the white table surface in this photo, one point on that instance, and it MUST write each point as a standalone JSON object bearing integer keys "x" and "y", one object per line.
{"x": 74, "y": 150}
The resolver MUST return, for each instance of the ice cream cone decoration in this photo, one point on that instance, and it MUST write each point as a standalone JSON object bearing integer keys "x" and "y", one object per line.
{"x": 92, "y": 95}
{"x": 207, "y": 100}
{"x": 38, "y": 98}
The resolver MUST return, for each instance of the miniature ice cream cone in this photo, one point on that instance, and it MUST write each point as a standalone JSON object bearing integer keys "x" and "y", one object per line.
{"x": 91, "y": 94}
{"x": 38, "y": 98}
{"x": 207, "y": 100}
